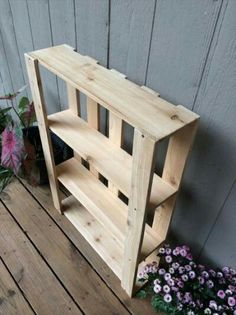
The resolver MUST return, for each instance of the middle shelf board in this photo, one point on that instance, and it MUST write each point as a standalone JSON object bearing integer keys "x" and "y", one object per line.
{"x": 109, "y": 160}
{"x": 104, "y": 205}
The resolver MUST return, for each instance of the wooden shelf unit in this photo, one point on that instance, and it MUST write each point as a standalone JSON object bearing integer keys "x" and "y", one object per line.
{"x": 117, "y": 232}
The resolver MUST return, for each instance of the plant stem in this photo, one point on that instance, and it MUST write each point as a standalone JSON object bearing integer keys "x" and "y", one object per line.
{"x": 13, "y": 107}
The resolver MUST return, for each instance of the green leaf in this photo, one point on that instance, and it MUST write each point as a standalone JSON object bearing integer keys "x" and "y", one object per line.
{"x": 5, "y": 177}
{"x": 142, "y": 294}
{"x": 24, "y": 101}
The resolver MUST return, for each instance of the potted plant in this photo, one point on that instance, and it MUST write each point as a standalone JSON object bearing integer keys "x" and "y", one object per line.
{"x": 21, "y": 149}
{"x": 178, "y": 285}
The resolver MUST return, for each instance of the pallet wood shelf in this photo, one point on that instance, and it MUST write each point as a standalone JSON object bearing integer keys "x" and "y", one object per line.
{"x": 118, "y": 232}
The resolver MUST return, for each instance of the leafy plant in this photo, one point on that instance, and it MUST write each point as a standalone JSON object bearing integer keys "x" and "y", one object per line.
{"x": 180, "y": 286}
{"x": 18, "y": 155}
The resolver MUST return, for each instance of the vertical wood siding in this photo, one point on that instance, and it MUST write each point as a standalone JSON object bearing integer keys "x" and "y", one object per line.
{"x": 186, "y": 50}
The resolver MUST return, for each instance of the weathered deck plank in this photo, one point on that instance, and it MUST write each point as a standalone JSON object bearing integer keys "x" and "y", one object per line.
{"x": 76, "y": 275}
{"x": 11, "y": 300}
{"x": 134, "y": 305}
{"x": 36, "y": 280}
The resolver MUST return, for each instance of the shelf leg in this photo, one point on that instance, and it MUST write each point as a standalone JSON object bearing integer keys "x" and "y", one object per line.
{"x": 177, "y": 153}
{"x": 39, "y": 104}
{"x": 74, "y": 105}
{"x": 142, "y": 175}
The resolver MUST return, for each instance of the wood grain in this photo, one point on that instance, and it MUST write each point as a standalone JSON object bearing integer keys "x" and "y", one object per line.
{"x": 63, "y": 258}
{"x": 134, "y": 305}
{"x": 30, "y": 271}
{"x": 11, "y": 300}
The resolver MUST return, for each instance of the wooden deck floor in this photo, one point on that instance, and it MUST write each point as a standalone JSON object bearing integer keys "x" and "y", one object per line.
{"x": 47, "y": 268}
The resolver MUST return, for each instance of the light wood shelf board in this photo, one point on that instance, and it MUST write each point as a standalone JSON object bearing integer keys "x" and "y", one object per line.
{"x": 109, "y": 160}
{"x": 155, "y": 117}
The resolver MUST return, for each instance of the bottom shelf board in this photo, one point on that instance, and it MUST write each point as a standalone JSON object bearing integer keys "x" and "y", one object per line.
{"x": 103, "y": 205}
{"x": 101, "y": 241}
{"x": 107, "y": 247}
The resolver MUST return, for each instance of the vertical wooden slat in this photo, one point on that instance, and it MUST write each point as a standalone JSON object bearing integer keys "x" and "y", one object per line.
{"x": 142, "y": 175}
{"x": 39, "y": 103}
{"x": 177, "y": 153}
{"x": 74, "y": 105}
{"x": 115, "y": 131}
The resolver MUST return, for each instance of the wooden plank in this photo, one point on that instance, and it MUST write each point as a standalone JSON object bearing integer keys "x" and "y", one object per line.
{"x": 107, "y": 208}
{"x": 93, "y": 121}
{"x": 40, "y": 27}
{"x": 135, "y": 306}
{"x": 115, "y": 131}
{"x": 177, "y": 153}
{"x": 39, "y": 104}
{"x": 62, "y": 21}
{"x": 30, "y": 271}
{"x": 175, "y": 63}
{"x": 61, "y": 255}
{"x": 107, "y": 158}
{"x": 146, "y": 88}
{"x": 11, "y": 300}
{"x": 94, "y": 233}
{"x": 142, "y": 173}
{"x": 155, "y": 117}
{"x": 74, "y": 105}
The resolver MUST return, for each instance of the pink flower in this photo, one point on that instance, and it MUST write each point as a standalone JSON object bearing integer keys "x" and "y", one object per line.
{"x": 183, "y": 252}
{"x": 167, "y": 298}
{"x": 231, "y": 301}
{"x": 221, "y": 294}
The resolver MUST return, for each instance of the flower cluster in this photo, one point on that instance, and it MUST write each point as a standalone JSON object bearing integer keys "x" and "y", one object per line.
{"x": 180, "y": 286}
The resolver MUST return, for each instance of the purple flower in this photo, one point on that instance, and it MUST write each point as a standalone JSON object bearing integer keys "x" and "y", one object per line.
{"x": 213, "y": 305}
{"x": 231, "y": 301}
{"x": 205, "y": 274}
{"x": 210, "y": 284}
{"x": 221, "y": 294}
{"x": 181, "y": 269}
{"x": 166, "y": 288}
{"x": 201, "y": 280}
{"x": 156, "y": 282}
{"x": 219, "y": 274}
{"x": 157, "y": 288}
{"x": 183, "y": 252}
{"x": 175, "y": 265}
{"x": 189, "y": 256}
{"x": 162, "y": 250}
{"x": 233, "y": 272}
{"x": 171, "y": 282}
{"x": 162, "y": 271}
{"x": 188, "y": 268}
{"x": 192, "y": 274}
{"x": 180, "y": 284}
{"x": 228, "y": 292}
{"x": 168, "y": 259}
{"x": 179, "y": 296}
{"x": 184, "y": 278}
{"x": 225, "y": 269}
{"x": 212, "y": 272}
{"x": 167, "y": 276}
{"x": 168, "y": 251}
{"x": 171, "y": 270}
{"x": 167, "y": 298}
{"x": 176, "y": 251}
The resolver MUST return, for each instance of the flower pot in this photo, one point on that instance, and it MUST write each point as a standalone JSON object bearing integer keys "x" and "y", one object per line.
{"x": 61, "y": 151}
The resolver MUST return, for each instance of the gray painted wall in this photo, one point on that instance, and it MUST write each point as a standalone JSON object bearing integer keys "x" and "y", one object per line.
{"x": 184, "y": 49}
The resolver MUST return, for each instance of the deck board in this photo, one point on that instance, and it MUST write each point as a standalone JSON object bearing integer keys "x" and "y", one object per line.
{"x": 40, "y": 286}
{"x": 135, "y": 306}
{"x": 85, "y": 286}
{"x": 11, "y": 299}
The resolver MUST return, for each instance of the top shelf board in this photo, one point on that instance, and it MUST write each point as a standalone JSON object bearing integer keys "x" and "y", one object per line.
{"x": 152, "y": 115}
